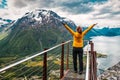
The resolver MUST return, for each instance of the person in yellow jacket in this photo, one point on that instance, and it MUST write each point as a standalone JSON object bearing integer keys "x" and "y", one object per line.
{"x": 78, "y": 45}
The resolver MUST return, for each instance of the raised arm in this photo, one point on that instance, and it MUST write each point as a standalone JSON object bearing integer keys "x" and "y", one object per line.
{"x": 68, "y": 28}
{"x": 89, "y": 28}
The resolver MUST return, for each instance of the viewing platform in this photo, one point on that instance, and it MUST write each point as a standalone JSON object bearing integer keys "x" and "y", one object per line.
{"x": 71, "y": 75}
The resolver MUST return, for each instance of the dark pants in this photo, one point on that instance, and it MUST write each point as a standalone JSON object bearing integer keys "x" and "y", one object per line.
{"x": 79, "y": 52}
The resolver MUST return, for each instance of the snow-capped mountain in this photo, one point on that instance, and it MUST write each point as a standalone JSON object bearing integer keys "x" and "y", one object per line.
{"x": 35, "y": 31}
{"x": 40, "y": 17}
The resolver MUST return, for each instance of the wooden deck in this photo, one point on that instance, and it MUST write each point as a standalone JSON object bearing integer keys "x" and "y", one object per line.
{"x": 70, "y": 75}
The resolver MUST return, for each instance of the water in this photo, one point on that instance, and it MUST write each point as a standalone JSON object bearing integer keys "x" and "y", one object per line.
{"x": 109, "y": 46}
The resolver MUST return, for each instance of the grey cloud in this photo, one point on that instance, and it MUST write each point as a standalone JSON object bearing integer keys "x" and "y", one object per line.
{"x": 78, "y": 8}
{"x": 104, "y": 10}
{"x": 47, "y": 4}
{"x": 112, "y": 15}
{"x": 20, "y": 3}
{"x": 5, "y": 14}
{"x": 32, "y": 3}
{"x": 109, "y": 17}
{"x": 111, "y": 12}
{"x": 115, "y": 13}
{"x": 41, "y": 3}
{"x": 72, "y": 6}
{"x": 101, "y": 17}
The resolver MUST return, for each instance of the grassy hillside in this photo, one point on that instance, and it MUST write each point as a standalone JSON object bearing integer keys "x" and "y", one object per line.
{"x": 3, "y": 35}
{"x": 27, "y": 41}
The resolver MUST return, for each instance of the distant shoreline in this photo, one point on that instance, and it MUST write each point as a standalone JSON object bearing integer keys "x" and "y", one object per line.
{"x": 101, "y": 55}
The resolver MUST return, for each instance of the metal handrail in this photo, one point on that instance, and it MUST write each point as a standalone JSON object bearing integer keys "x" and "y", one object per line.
{"x": 87, "y": 66}
{"x": 28, "y": 58}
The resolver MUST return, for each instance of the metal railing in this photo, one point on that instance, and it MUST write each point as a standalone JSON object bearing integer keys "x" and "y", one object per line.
{"x": 44, "y": 53}
{"x": 47, "y": 65}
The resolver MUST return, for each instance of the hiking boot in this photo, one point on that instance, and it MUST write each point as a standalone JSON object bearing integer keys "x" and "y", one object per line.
{"x": 80, "y": 72}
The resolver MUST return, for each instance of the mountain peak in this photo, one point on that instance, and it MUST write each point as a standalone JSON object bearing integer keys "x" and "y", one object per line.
{"x": 41, "y": 17}
{"x": 39, "y": 14}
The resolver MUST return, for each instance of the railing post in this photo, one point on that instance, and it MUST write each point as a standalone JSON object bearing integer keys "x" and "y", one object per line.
{"x": 90, "y": 70}
{"x": 67, "y": 59}
{"x": 62, "y": 62}
{"x": 95, "y": 65}
{"x": 92, "y": 47}
{"x": 91, "y": 61}
{"x": 45, "y": 65}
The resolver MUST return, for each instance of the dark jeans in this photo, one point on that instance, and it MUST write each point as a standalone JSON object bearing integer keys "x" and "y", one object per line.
{"x": 79, "y": 52}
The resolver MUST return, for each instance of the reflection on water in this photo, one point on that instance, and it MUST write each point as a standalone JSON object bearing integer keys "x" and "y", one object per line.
{"x": 109, "y": 46}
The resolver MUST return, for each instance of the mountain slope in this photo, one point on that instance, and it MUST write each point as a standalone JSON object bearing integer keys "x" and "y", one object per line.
{"x": 33, "y": 32}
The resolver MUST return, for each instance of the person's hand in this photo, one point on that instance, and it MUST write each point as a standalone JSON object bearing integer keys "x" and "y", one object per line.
{"x": 94, "y": 24}
{"x": 63, "y": 23}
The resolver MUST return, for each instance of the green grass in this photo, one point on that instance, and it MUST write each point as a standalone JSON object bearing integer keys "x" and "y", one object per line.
{"x": 3, "y": 35}
{"x": 5, "y": 60}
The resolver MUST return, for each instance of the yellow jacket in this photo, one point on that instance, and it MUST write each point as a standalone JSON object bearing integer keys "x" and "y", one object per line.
{"x": 77, "y": 37}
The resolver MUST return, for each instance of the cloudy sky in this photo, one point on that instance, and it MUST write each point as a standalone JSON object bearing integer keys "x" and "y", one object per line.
{"x": 82, "y": 12}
